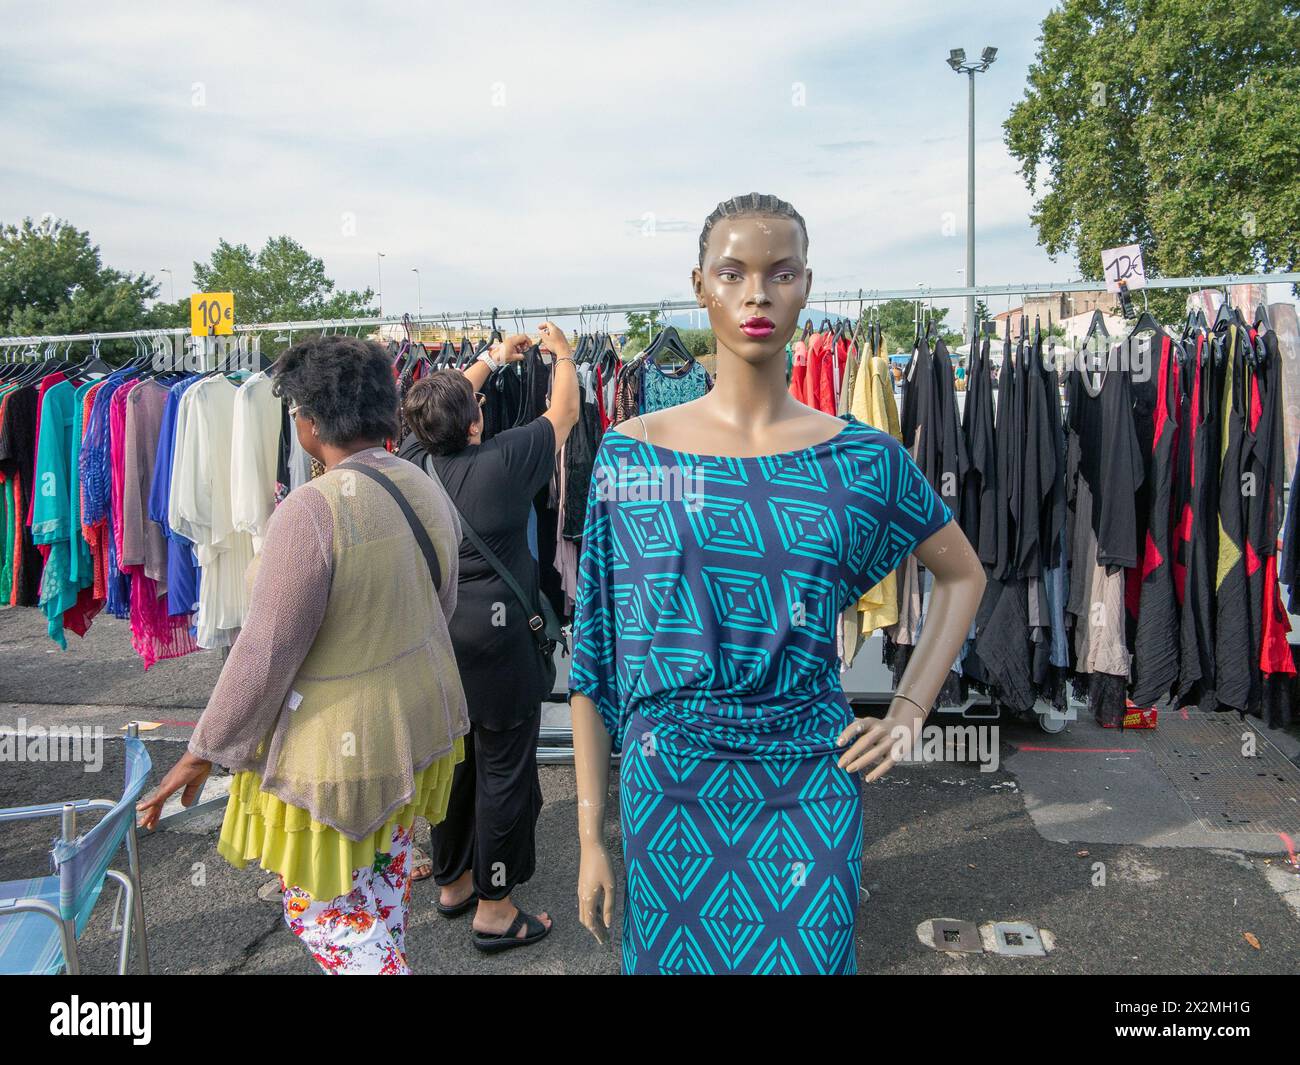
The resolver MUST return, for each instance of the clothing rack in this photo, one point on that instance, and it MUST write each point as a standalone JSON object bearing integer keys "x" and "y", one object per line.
{"x": 861, "y": 295}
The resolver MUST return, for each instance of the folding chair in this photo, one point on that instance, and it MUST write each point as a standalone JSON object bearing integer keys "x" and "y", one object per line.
{"x": 42, "y": 919}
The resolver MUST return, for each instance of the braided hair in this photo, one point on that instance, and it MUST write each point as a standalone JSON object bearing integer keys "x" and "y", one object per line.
{"x": 754, "y": 205}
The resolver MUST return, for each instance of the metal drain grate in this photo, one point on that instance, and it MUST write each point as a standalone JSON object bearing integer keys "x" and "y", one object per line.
{"x": 1227, "y": 792}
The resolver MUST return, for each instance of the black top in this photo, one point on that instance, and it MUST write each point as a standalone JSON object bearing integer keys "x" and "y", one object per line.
{"x": 492, "y": 485}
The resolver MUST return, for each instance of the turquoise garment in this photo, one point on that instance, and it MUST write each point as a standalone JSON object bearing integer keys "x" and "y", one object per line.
{"x": 705, "y": 631}
{"x": 52, "y": 505}
{"x": 56, "y": 510}
{"x": 660, "y": 389}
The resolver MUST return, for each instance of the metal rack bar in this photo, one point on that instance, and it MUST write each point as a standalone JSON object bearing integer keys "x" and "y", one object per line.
{"x": 862, "y": 295}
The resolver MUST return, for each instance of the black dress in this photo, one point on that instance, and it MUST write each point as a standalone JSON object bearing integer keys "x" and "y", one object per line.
{"x": 493, "y": 485}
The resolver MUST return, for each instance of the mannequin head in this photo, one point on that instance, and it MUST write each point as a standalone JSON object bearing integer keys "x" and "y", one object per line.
{"x": 753, "y": 266}
{"x": 341, "y": 394}
{"x": 444, "y": 412}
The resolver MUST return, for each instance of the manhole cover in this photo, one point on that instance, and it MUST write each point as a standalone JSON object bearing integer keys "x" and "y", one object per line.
{"x": 1018, "y": 938}
{"x": 960, "y": 936}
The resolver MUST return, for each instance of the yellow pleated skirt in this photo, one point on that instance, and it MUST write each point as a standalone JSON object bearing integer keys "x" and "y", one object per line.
{"x": 314, "y": 857}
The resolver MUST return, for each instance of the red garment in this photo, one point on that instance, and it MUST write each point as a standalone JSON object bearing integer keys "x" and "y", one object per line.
{"x": 821, "y": 372}
{"x": 799, "y": 373}
{"x": 1182, "y": 539}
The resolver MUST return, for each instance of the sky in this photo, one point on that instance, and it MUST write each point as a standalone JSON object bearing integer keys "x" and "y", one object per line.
{"x": 520, "y": 155}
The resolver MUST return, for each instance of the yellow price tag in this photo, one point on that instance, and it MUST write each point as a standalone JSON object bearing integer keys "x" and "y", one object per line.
{"x": 212, "y": 314}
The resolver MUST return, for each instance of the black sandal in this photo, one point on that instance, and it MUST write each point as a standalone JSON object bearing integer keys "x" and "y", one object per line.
{"x": 462, "y": 907}
{"x": 493, "y": 942}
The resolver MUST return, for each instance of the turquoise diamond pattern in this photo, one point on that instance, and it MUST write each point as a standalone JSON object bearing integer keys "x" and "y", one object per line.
{"x": 679, "y": 853}
{"x": 725, "y": 525}
{"x": 684, "y": 955}
{"x": 826, "y": 927}
{"x": 830, "y": 799}
{"x": 670, "y": 599}
{"x": 732, "y": 800}
{"x": 731, "y": 919}
{"x": 812, "y": 605}
{"x": 649, "y": 914}
{"x": 651, "y": 530}
{"x": 781, "y": 861}
{"x": 741, "y": 599}
{"x": 808, "y": 529}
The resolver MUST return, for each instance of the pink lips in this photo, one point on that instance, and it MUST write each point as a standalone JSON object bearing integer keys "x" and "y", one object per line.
{"x": 757, "y": 327}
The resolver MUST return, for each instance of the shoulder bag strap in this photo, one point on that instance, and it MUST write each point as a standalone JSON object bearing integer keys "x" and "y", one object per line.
{"x": 535, "y": 620}
{"x": 417, "y": 527}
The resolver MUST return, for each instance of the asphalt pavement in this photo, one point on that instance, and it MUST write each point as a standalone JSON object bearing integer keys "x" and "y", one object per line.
{"x": 1111, "y": 845}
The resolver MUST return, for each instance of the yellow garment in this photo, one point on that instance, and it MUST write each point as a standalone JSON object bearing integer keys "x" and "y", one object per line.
{"x": 1229, "y": 552}
{"x": 314, "y": 857}
{"x": 873, "y": 403}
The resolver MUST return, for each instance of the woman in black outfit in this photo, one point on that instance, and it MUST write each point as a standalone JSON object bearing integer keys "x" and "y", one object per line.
{"x": 486, "y": 846}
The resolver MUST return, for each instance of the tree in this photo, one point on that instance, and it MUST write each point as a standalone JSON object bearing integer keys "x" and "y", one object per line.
{"x": 898, "y": 320}
{"x": 282, "y": 282}
{"x": 1169, "y": 124}
{"x": 639, "y": 326}
{"x": 53, "y": 280}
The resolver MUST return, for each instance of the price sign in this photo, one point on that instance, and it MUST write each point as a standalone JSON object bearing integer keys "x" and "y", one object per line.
{"x": 1123, "y": 264}
{"x": 212, "y": 314}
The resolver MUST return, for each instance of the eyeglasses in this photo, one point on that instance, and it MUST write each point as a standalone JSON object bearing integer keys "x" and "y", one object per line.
{"x": 481, "y": 398}
{"x": 294, "y": 408}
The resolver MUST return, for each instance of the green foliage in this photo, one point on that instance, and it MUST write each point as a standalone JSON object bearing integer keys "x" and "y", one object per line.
{"x": 639, "y": 326}
{"x": 1170, "y": 124}
{"x": 282, "y": 282}
{"x": 898, "y": 319}
{"x": 698, "y": 341}
{"x": 53, "y": 280}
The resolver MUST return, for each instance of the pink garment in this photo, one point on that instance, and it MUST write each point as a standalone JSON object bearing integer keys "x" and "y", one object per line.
{"x": 117, "y": 463}
{"x": 156, "y": 634}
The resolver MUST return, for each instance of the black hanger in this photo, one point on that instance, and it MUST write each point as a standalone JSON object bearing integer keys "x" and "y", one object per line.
{"x": 669, "y": 342}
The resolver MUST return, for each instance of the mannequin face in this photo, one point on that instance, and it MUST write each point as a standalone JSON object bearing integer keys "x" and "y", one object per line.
{"x": 754, "y": 268}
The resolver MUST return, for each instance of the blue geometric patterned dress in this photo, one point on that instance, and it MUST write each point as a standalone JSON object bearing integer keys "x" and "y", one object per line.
{"x": 705, "y": 633}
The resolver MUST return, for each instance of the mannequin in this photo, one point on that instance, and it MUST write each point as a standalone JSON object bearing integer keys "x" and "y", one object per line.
{"x": 749, "y": 887}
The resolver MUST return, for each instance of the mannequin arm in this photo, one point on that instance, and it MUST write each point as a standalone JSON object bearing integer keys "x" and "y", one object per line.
{"x": 955, "y": 597}
{"x": 591, "y": 747}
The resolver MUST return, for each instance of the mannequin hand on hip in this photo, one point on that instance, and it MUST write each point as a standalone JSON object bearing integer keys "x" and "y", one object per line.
{"x": 596, "y": 891}
{"x": 868, "y": 740}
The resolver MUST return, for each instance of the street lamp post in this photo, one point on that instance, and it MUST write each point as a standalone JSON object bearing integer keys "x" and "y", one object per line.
{"x": 957, "y": 60}
{"x": 171, "y": 281}
{"x": 379, "y": 261}
{"x": 419, "y": 296}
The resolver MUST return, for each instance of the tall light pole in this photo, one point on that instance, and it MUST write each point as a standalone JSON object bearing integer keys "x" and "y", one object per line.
{"x": 379, "y": 261}
{"x": 957, "y": 60}
{"x": 419, "y": 296}
{"x": 171, "y": 281}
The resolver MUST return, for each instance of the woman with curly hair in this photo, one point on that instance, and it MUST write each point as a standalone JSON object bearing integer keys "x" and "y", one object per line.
{"x": 340, "y": 708}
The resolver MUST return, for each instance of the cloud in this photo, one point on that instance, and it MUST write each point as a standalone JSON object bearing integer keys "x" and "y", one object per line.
{"x": 513, "y": 158}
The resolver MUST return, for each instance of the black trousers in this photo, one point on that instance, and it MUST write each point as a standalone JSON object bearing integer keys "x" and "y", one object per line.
{"x": 492, "y": 814}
